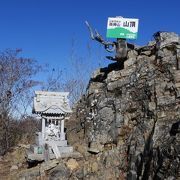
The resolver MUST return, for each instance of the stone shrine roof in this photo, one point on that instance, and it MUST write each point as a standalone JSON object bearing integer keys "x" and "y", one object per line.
{"x": 51, "y": 103}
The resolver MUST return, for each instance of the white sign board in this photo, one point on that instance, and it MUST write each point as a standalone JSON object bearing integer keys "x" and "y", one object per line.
{"x": 118, "y": 27}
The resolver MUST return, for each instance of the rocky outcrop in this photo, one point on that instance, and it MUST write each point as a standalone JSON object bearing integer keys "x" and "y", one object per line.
{"x": 127, "y": 125}
{"x": 130, "y": 114}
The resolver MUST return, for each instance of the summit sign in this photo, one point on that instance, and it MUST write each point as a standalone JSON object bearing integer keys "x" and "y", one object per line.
{"x": 119, "y": 27}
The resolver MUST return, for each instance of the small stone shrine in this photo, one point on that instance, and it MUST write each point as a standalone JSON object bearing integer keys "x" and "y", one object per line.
{"x": 53, "y": 109}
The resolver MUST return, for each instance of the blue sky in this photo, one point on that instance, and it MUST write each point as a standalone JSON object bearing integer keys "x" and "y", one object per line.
{"x": 44, "y": 29}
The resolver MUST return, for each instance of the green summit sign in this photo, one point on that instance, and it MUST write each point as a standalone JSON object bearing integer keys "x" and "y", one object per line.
{"x": 118, "y": 27}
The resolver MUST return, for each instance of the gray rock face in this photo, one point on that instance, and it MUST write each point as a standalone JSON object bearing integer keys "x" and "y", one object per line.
{"x": 127, "y": 125}
{"x": 60, "y": 172}
{"x": 135, "y": 107}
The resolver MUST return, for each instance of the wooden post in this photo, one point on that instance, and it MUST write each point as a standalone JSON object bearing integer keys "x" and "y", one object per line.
{"x": 46, "y": 152}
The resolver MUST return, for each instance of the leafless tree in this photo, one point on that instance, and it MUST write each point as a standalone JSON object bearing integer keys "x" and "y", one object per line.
{"x": 16, "y": 81}
{"x": 75, "y": 78}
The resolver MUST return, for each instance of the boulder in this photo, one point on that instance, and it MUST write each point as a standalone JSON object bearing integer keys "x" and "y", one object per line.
{"x": 72, "y": 164}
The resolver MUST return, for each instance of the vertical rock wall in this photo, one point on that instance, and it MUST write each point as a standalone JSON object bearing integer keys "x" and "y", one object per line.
{"x": 130, "y": 115}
